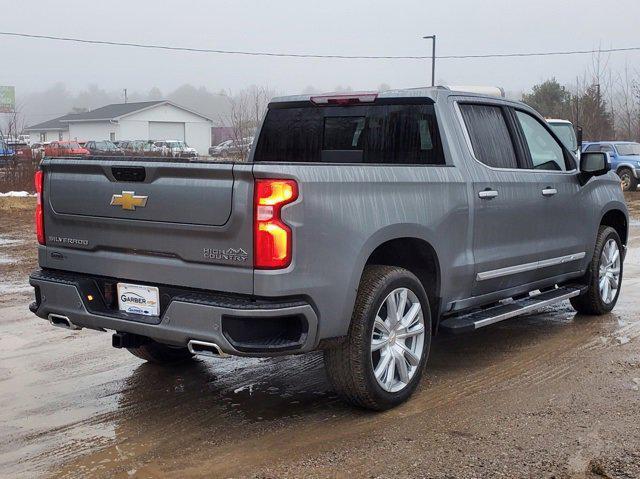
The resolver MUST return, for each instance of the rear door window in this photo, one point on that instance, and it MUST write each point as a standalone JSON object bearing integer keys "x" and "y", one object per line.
{"x": 490, "y": 138}
{"x": 383, "y": 134}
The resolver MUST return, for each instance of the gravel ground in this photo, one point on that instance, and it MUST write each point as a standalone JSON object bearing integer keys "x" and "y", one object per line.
{"x": 547, "y": 395}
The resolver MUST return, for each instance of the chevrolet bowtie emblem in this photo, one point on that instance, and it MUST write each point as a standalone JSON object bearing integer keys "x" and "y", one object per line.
{"x": 129, "y": 201}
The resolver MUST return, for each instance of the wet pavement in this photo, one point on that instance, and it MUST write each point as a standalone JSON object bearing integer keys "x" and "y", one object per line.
{"x": 551, "y": 394}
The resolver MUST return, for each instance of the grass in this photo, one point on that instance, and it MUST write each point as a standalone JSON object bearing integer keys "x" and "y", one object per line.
{"x": 10, "y": 203}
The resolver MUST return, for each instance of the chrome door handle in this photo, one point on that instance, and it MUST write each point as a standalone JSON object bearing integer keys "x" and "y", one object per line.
{"x": 487, "y": 194}
{"x": 549, "y": 192}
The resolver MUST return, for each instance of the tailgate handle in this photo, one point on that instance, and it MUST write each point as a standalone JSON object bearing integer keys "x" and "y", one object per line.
{"x": 129, "y": 173}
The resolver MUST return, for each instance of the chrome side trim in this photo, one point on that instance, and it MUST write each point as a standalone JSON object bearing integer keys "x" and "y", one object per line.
{"x": 497, "y": 273}
{"x": 521, "y": 268}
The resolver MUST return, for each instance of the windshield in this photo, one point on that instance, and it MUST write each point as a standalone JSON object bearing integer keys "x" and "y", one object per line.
{"x": 628, "y": 149}
{"x": 566, "y": 134}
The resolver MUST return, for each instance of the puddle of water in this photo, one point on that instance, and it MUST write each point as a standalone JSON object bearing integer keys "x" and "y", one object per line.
{"x": 10, "y": 288}
{"x": 10, "y": 242}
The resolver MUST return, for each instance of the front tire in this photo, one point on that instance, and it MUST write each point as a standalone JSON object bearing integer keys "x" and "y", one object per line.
{"x": 629, "y": 181}
{"x": 380, "y": 363}
{"x": 604, "y": 276}
{"x": 159, "y": 353}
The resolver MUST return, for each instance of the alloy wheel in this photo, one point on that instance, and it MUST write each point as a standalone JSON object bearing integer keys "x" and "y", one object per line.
{"x": 609, "y": 273}
{"x": 397, "y": 339}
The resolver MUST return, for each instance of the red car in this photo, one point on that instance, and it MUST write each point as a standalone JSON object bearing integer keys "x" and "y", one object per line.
{"x": 65, "y": 148}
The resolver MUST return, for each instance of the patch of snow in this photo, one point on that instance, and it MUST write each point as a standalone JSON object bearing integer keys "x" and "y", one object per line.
{"x": 17, "y": 194}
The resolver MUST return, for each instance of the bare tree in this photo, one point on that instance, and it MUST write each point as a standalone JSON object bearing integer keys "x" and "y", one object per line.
{"x": 627, "y": 105}
{"x": 13, "y": 123}
{"x": 247, "y": 108}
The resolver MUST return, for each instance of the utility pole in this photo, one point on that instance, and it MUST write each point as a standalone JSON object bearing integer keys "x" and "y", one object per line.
{"x": 125, "y": 95}
{"x": 433, "y": 58}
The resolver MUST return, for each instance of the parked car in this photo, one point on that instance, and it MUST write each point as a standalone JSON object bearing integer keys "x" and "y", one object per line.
{"x": 565, "y": 130}
{"x": 37, "y": 150}
{"x": 103, "y": 148}
{"x": 175, "y": 148}
{"x": 231, "y": 148}
{"x": 22, "y": 151}
{"x": 139, "y": 148}
{"x": 624, "y": 158}
{"x": 65, "y": 148}
{"x": 220, "y": 148}
{"x": 7, "y": 154}
{"x": 361, "y": 226}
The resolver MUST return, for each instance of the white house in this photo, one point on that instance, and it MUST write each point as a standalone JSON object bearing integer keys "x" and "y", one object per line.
{"x": 149, "y": 120}
{"x": 51, "y": 130}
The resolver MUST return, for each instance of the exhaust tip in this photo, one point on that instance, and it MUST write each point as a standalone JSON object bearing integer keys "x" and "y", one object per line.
{"x": 203, "y": 348}
{"x": 62, "y": 322}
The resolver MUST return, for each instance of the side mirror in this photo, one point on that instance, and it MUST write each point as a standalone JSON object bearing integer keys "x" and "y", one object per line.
{"x": 593, "y": 163}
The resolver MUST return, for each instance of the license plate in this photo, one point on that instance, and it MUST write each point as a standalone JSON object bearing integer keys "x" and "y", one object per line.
{"x": 138, "y": 299}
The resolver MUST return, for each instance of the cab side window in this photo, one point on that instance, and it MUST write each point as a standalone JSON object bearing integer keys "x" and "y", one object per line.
{"x": 546, "y": 153}
{"x": 490, "y": 138}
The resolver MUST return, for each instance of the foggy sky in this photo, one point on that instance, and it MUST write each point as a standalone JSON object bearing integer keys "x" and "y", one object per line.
{"x": 327, "y": 27}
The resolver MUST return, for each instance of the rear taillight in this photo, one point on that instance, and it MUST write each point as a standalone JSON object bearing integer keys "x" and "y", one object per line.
{"x": 39, "y": 181}
{"x": 272, "y": 237}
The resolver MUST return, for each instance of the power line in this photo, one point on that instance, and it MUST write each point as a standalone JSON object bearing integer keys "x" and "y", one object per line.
{"x": 311, "y": 55}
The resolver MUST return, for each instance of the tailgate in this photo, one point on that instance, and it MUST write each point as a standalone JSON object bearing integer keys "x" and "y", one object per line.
{"x": 167, "y": 222}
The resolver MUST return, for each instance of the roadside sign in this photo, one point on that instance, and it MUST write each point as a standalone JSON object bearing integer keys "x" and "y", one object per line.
{"x": 7, "y": 99}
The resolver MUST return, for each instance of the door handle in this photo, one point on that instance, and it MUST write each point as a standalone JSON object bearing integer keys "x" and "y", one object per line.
{"x": 487, "y": 194}
{"x": 549, "y": 192}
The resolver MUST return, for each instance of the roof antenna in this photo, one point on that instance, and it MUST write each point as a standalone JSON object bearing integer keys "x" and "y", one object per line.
{"x": 125, "y": 95}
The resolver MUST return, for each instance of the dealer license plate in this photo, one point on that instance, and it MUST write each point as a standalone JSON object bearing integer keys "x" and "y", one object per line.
{"x": 139, "y": 299}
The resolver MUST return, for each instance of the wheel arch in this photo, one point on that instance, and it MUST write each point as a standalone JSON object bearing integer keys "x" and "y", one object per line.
{"x": 622, "y": 166}
{"x": 410, "y": 247}
{"x": 617, "y": 219}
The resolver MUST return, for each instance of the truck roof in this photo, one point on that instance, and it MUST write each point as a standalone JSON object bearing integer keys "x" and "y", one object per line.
{"x": 434, "y": 93}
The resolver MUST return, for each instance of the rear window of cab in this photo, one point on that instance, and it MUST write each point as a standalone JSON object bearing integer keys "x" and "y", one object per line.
{"x": 380, "y": 134}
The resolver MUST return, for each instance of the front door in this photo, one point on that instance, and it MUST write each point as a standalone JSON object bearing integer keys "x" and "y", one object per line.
{"x": 565, "y": 221}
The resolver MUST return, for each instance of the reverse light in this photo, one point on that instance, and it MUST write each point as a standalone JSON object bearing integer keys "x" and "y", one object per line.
{"x": 39, "y": 216}
{"x": 272, "y": 237}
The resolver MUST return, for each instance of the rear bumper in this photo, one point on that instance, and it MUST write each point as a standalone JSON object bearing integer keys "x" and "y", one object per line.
{"x": 239, "y": 325}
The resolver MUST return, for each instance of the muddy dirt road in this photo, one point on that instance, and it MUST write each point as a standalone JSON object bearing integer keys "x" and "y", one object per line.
{"x": 547, "y": 395}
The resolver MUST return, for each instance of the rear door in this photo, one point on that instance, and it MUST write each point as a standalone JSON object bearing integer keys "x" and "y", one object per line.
{"x": 508, "y": 212}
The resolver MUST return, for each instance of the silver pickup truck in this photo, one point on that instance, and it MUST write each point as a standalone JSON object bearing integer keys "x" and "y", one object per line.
{"x": 361, "y": 225}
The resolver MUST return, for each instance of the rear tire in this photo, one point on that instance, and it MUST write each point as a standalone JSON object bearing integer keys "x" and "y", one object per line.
{"x": 629, "y": 181}
{"x": 158, "y": 353}
{"x": 380, "y": 363}
{"x": 603, "y": 281}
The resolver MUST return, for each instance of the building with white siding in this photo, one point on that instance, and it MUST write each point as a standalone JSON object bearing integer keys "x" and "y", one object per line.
{"x": 149, "y": 120}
